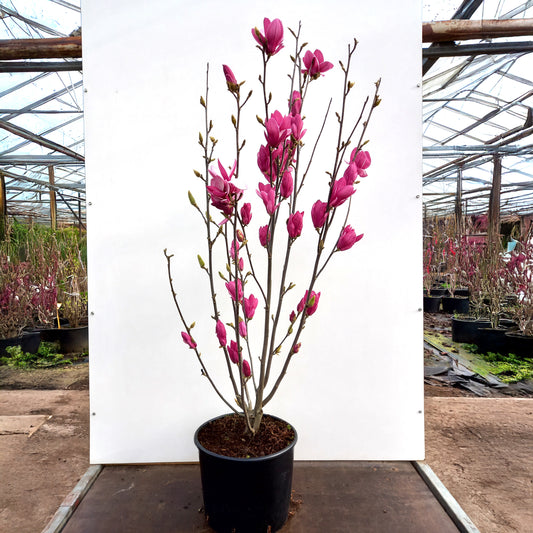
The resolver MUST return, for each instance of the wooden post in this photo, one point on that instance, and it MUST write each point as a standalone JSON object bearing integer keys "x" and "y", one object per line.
{"x": 3, "y": 207}
{"x": 494, "y": 201}
{"x": 459, "y": 203}
{"x": 53, "y": 206}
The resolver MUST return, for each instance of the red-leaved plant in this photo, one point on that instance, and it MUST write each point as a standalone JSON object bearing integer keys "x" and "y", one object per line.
{"x": 283, "y": 174}
{"x": 519, "y": 274}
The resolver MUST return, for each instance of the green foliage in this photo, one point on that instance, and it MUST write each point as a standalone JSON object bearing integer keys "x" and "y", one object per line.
{"x": 472, "y": 348}
{"x": 46, "y": 356}
{"x": 510, "y": 368}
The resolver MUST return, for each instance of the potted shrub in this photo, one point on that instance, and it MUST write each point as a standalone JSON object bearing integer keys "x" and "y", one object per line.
{"x": 470, "y": 274}
{"x": 431, "y": 301}
{"x": 16, "y": 309}
{"x": 72, "y": 300}
{"x": 246, "y": 481}
{"x": 493, "y": 290}
{"x": 520, "y": 278}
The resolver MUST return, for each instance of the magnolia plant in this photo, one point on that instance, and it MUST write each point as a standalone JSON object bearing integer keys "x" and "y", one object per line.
{"x": 519, "y": 275}
{"x": 227, "y": 218}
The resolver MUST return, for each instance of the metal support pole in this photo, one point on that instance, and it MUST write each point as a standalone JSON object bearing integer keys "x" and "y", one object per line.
{"x": 3, "y": 207}
{"x": 53, "y": 205}
{"x": 459, "y": 203}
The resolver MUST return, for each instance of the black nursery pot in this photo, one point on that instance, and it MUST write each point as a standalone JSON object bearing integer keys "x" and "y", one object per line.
{"x": 29, "y": 342}
{"x": 519, "y": 344}
{"x": 432, "y": 304}
{"x": 71, "y": 340}
{"x": 452, "y": 304}
{"x": 466, "y": 329}
{"x": 246, "y": 495}
{"x": 492, "y": 340}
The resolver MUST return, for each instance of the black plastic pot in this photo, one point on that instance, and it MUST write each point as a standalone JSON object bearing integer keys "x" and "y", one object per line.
{"x": 462, "y": 292}
{"x": 71, "y": 340}
{"x": 451, "y": 304}
{"x": 519, "y": 344}
{"x": 492, "y": 340}
{"x": 432, "y": 304}
{"x": 507, "y": 324}
{"x": 439, "y": 292}
{"x": 246, "y": 495}
{"x": 29, "y": 342}
{"x": 466, "y": 329}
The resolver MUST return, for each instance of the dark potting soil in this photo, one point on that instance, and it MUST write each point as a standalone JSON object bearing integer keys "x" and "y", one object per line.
{"x": 228, "y": 436}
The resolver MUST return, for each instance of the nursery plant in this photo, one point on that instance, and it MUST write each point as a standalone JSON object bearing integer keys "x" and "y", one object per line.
{"x": 284, "y": 166}
{"x": 519, "y": 275}
{"x": 16, "y": 310}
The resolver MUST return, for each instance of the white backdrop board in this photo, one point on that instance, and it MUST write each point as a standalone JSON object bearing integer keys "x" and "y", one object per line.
{"x": 355, "y": 391}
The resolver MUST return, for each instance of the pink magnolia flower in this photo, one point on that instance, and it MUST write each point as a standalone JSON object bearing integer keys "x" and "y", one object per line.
{"x": 295, "y": 224}
{"x": 246, "y": 370}
{"x": 263, "y": 159}
{"x": 268, "y": 195}
{"x": 233, "y": 352}
{"x": 246, "y": 213}
{"x": 243, "y": 331}
{"x": 340, "y": 192}
{"x": 230, "y": 285}
{"x": 234, "y": 250}
{"x": 297, "y": 130}
{"x": 221, "y": 333}
{"x": 278, "y": 128}
{"x": 241, "y": 264}
{"x": 362, "y": 161}
{"x": 315, "y": 64}
{"x": 287, "y": 184}
{"x": 187, "y": 339}
{"x": 319, "y": 213}
{"x": 295, "y": 104}
{"x": 296, "y": 347}
{"x": 223, "y": 173}
{"x": 264, "y": 235}
{"x": 292, "y": 317}
{"x": 224, "y": 195}
{"x": 311, "y": 305}
{"x": 350, "y": 174}
{"x": 348, "y": 238}
{"x": 231, "y": 80}
{"x": 250, "y": 304}
{"x": 272, "y": 40}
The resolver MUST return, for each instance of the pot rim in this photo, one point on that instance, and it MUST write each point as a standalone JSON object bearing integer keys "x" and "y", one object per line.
{"x": 244, "y": 459}
{"x": 518, "y": 334}
{"x": 470, "y": 319}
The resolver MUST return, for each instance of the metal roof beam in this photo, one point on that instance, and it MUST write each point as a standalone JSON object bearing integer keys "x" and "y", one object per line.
{"x": 40, "y": 66}
{"x": 44, "y": 100}
{"x": 46, "y": 184}
{"x": 25, "y": 134}
{"x": 453, "y": 50}
{"x": 39, "y": 160}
